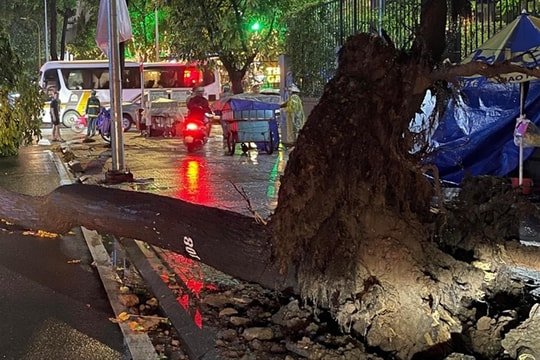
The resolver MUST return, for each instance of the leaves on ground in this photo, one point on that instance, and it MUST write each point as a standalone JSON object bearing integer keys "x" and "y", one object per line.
{"x": 139, "y": 322}
{"x": 40, "y": 233}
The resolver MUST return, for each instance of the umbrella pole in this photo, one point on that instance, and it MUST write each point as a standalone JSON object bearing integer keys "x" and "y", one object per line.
{"x": 522, "y": 95}
{"x": 520, "y": 161}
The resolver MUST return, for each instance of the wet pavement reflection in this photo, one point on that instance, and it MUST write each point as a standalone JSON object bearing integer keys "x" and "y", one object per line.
{"x": 208, "y": 177}
{"x": 194, "y": 183}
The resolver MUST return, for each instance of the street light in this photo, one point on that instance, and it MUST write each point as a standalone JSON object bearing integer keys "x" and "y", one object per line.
{"x": 38, "y": 39}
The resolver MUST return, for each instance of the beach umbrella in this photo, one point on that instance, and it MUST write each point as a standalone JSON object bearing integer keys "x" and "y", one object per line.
{"x": 518, "y": 43}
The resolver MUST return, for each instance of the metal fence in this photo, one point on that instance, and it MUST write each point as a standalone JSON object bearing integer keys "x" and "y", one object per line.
{"x": 317, "y": 32}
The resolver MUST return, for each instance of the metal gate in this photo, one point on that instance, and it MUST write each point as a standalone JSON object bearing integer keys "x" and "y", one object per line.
{"x": 317, "y": 32}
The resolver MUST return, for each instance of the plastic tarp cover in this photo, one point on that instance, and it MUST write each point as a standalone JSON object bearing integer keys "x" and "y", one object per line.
{"x": 247, "y": 102}
{"x": 255, "y": 108}
{"x": 475, "y": 133}
{"x": 123, "y": 23}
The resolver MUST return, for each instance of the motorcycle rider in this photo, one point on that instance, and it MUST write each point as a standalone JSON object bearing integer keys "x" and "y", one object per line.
{"x": 198, "y": 105}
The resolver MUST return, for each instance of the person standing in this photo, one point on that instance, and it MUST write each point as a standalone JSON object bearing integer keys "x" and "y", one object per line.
{"x": 55, "y": 117}
{"x": 294, "y": 111}
{"x": 93, "y": 106}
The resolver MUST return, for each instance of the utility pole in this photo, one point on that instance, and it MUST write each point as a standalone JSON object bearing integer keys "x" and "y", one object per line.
{"x": 118, "y": 173}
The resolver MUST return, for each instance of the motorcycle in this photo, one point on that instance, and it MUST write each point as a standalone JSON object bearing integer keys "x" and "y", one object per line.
{"x": 103, "y": 124}
{"x": 196, "y": 131}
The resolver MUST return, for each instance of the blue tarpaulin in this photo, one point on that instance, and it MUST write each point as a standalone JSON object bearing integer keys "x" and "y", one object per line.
{"x": 475, "y": 133}
{"x": 241, "y": 102}
{"x": 251, "y": 117}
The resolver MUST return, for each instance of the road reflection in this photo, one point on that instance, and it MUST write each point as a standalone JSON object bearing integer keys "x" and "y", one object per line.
{"x": 274, "y": 180}
{"x": 194, "y": 181}
{"x": 215, "y": 180}
{"x": 211, "y": 181}
{"x": 191, "y": 275}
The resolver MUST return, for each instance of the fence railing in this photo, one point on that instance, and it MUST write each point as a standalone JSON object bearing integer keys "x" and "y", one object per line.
{"x": 317, "y": 32}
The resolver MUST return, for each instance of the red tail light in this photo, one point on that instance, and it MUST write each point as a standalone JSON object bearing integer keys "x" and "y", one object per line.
{"x": 192, "y": 76}
{"x": 191, "y": 126}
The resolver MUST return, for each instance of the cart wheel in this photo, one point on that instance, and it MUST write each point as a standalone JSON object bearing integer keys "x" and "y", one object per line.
{"x": 231, "y": 142}
{"x": 269, "y": 145}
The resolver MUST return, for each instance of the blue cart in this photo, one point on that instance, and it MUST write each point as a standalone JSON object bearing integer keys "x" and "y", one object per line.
{"x": 249, "y": 118}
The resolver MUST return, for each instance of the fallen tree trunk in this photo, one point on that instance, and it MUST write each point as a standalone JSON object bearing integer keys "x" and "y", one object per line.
{"x": 228, "y": 241}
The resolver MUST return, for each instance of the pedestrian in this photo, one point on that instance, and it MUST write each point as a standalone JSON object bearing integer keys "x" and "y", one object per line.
{"x": 294, "y": 110}
{"x": 55, "y": 117}
{"x": 93, "y": 106}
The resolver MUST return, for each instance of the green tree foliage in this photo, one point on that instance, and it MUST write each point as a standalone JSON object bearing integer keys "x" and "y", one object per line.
{"x": 143, "y": 25}
{"x": 20, "y": 119}
{"x": 83, "y": 46}
{"x": 317, "y": 30}
{"x": 142, "y": 45}
{"x": 223, "y": 28}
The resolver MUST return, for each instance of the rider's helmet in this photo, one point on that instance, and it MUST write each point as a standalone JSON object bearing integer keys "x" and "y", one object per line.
{"x": 93, "y": 92}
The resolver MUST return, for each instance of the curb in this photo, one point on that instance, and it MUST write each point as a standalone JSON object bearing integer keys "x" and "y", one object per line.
{"x": 199, "y": 342}
{"x": 139, "y": 345}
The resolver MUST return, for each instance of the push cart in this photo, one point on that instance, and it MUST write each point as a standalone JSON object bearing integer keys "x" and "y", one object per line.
{"x": 247, "y": 119}
{"x": 250, "y": 126}
{"x": 162, "y": 117}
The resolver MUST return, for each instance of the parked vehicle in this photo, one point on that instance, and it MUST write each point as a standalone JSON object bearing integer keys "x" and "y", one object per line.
{"x": 249, "y": 118}
{"x": 130, "y": 112}
{"x": 196, "y": 131}
{"x": 103, "y": 124}
{"x": 74, "y": 81}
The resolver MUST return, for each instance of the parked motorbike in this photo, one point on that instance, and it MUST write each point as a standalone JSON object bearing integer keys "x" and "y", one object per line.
{"x": 103, "y": 124}
{"x": 196, "y": 131}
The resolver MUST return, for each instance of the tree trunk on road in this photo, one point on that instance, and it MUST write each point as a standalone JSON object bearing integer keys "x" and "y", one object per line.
{"x": 228, "y": 241}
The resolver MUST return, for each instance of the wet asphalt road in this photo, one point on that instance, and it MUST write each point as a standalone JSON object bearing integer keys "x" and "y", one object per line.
{"x": 50, "y": 309}
{"x": 206, "y": 177}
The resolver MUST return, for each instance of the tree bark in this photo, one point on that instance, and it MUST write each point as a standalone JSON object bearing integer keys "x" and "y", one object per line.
{"x": 235, "y": 76}
{"x": 228, "y": 241}
{"x": 53, "y": 24}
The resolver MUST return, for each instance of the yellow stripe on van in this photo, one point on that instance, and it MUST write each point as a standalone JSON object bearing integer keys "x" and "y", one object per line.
{"x": 81, "y": 106}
